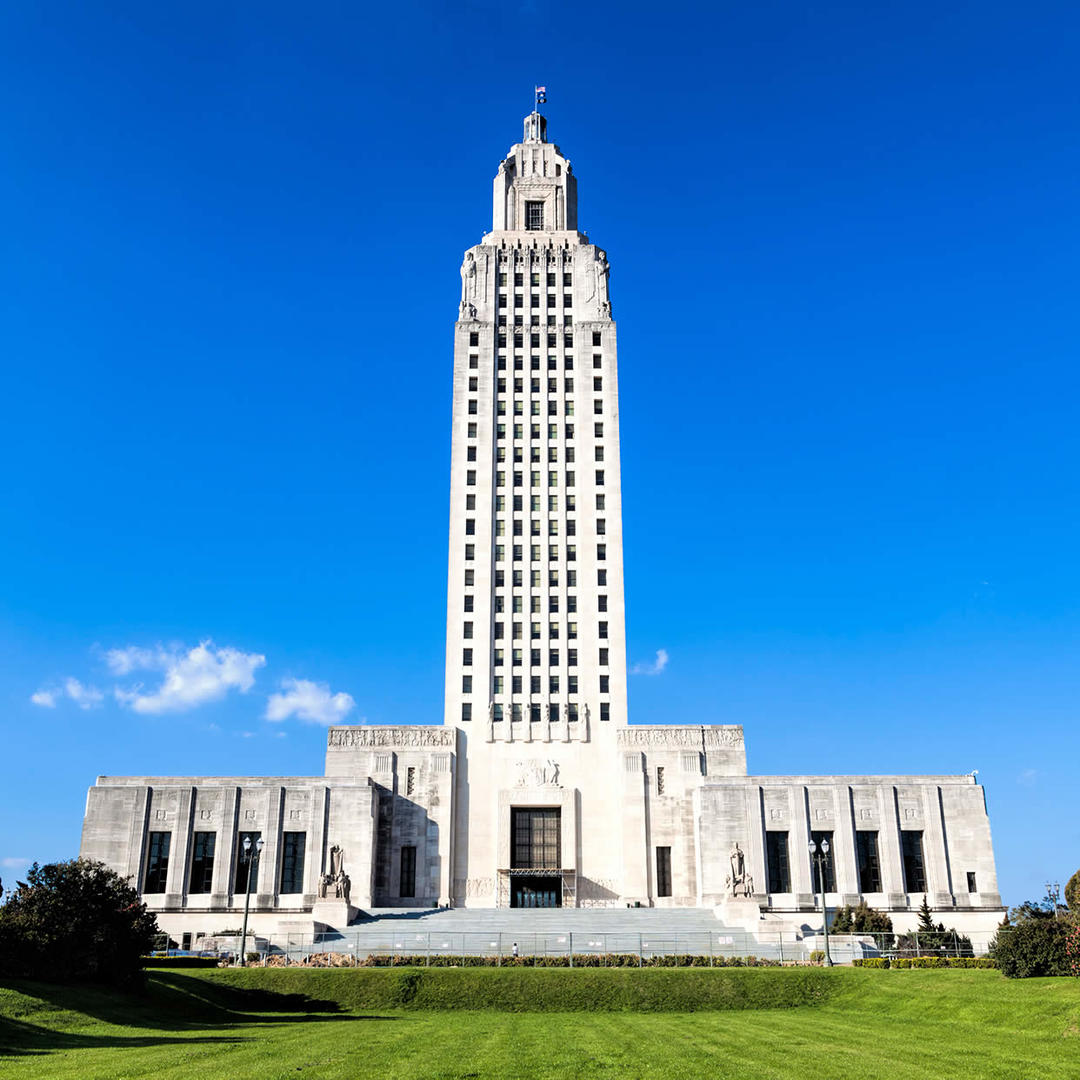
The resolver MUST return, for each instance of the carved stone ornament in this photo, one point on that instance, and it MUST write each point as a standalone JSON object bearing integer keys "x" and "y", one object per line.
{"x": 696, "y": 737}
{"x": 537, "y": 773}
{"x": 403, "y": 735}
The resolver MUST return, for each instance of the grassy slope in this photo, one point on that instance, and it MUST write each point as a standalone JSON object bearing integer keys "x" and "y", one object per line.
{"x": 895, "y": 1025}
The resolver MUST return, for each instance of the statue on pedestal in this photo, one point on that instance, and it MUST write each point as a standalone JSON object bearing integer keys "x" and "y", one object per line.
{"x": 335, "y": 884}
{"x": 739, "y": 882}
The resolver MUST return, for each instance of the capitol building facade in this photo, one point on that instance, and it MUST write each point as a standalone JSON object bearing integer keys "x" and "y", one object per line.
{"x": 535, "y": 790}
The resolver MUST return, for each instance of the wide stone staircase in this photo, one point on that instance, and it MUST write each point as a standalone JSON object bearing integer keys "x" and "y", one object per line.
{"x": 645, "y": 932}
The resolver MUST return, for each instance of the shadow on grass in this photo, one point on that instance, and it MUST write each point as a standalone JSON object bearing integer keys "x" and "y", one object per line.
{"x": 20, "y": 1039}
{"x": 170, "y": 1005}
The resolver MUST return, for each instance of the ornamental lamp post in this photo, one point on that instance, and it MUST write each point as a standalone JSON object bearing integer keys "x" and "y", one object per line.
{"x": 251, "y": 861}
{"x": 819, "y": 854}
{"x": 1053, "y": 892}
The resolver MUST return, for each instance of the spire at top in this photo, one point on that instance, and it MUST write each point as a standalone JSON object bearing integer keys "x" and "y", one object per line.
{"x": 535, "y": 128}
{"x": 535, "y": 124}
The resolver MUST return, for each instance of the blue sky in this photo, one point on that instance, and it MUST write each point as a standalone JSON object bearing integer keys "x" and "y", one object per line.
{"x": 230, "y": 246}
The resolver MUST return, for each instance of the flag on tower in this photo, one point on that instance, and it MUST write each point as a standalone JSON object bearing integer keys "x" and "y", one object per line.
{"x": 541, "y": 95}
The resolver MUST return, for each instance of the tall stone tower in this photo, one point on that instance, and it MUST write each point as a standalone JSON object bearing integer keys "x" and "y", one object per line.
{"x": 535, "y": 629}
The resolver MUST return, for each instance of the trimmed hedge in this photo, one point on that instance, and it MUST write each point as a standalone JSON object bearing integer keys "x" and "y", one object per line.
{"x": 508, "y": 990}
{"x": 902, "y": 962}
{"x": 582, "y": 960}
{"x": 180, "y": 962}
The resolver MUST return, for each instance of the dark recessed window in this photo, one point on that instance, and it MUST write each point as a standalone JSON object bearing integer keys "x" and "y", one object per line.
{"x": 663, "y": 871}
{"x": 914, "y": 866}
{"x": 776, "y": 850}
{"x": 292, "y": 861}
{"x": 866, "y": 847}
{"x": 202, "y": 862}
{"x": 157, "y": 862}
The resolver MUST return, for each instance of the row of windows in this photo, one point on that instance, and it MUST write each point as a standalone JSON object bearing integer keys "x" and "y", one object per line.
{"x": 534, "y": 502}
{"x": 867, "y": 860}
{"x": 517, "y": 552}
{"x": 534, "y": 712}
{"x": 517, "y": 604}
{"x": 517, "y": 686}
{"x": 518, "y": 455}
{"x": 498, "y": 656}
{"x": 869, "y": 866}
{"x": 568, "y": 340}
{"x": 534, "y": 384}
{"x": 517, "y": 408}
{"x": 534, "y": 361}
{"x": 534, "y": 478}
{"x": 204, "y": 854}
{"x": 534, "y": 300}
{"x": 534, "y": 279}
{"x": 518, "y": 431}
{"x": 517, "y": 526}
{"x": 518, "y": 576}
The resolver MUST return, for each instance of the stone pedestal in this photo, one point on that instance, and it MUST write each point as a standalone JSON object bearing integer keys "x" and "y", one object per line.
{"x": 740, "y": 913}
{"x": 332, "y": 914}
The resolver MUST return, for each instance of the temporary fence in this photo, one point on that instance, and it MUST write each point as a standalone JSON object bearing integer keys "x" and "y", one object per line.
{"x": 577, "y": 948}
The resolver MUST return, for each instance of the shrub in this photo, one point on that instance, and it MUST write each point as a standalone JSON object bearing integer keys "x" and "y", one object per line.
{"x": 75, "y": 921}
{"x": 1035, "y": 944}
{"x": 871, "y": 962}
{"x": 1072, "y": 948}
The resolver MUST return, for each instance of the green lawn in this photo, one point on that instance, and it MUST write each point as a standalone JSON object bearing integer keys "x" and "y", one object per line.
{"x": 864, "y": 1024}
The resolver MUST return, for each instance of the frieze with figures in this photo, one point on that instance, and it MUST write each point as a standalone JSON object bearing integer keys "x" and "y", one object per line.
{"x": 415, "y": 736}
{"x": 710, "y": 737}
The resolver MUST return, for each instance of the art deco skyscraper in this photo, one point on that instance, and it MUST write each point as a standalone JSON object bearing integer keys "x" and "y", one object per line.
{"x": 535, "y": 618}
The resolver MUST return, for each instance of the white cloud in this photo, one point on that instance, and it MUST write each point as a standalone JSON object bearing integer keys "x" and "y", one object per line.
{"x": 86, "y": 697}
{"x": 655, "y": 668}
{"x": 125, "y": 661}
{"x": 308, "y": 701}
{"x": 1027, "y": 777}
{"x": 200, "y": 675}
{"x": 15, "y": 862}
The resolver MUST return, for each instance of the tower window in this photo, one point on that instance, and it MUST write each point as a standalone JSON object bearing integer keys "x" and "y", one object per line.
{"x": 534, "y": 215}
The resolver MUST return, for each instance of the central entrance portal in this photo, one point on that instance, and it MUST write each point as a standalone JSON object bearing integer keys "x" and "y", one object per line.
{"x": 535, "y": 855}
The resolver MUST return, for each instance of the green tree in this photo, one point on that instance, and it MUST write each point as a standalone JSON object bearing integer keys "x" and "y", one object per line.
{"x": 863, "y": 919}
{"x": 931, "y": 938}
{"x": 1072, "y": 893}
{"x": 75, "y": 921}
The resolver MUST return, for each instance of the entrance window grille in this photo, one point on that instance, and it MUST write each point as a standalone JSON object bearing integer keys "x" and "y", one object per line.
{"x": 534, "y": 215}
{"x": 535, "y": 836}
